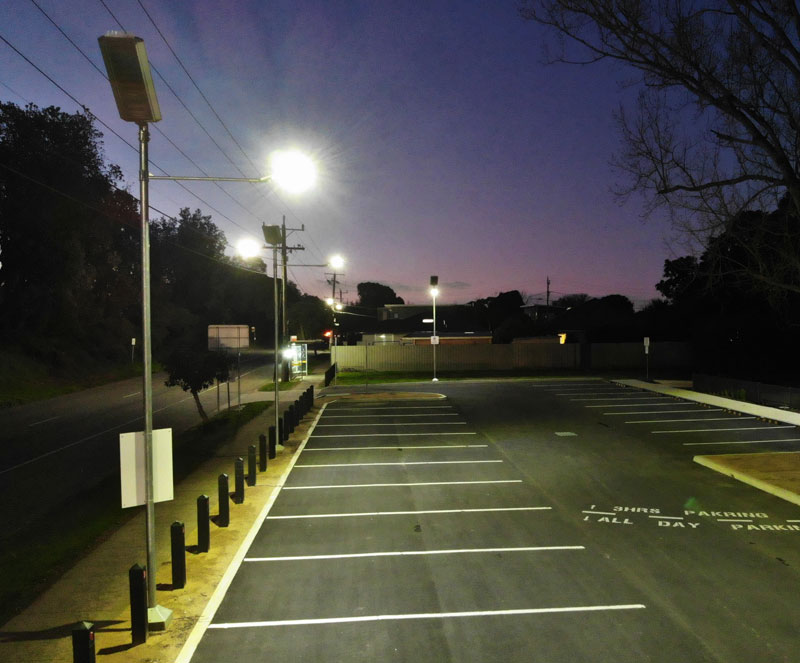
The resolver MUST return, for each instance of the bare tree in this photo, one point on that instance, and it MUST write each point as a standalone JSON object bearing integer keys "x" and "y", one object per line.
{"x": 715, "y": 128}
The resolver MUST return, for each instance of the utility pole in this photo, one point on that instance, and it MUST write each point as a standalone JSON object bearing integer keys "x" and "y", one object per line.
{"x": 285, "y": 257}
{"x": 547, "y": 300}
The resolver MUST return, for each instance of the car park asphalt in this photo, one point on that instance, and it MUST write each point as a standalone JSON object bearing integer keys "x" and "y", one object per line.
{"x": 558, "y": 520}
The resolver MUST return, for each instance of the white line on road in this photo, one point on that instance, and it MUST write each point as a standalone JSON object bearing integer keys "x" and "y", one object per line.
{"x": 43, "y": 421}
{"x": 135, "y": 393}
{"x": 389, "y": 407}
{"x": 397, "y": 434}
{"x": 718, "y": 430}
{"x": 395, "y": 448}
{"x": 399, "y": 485}
{"x": 405, "y": 423}
{"x": 623, "y": 398}
{"x": 700, "y": 444}
{"x": 386, "y": 416}
{"x": 619, "y": 414}
{"x": 667, "y": 517}
{"x": 734, "y": 520}
{"x": 427, "y": 615}
{"x": 672, "y": 421}
{"x": 671, "y": 403}
{"x": 402, "y": 553}
{"x": 409, "y": 513}
{"x": 421, "y": 462}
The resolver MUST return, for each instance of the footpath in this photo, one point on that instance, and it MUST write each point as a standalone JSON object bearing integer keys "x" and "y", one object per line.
{"x": 96, "y": 589}
{"x": 775, "y": 472}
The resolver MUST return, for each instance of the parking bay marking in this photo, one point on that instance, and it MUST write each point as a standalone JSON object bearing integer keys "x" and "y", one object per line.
{"x": 404, "y": 423}
{"x": 395, "y": 448}
{"x": 619, "y": 414}
{"x": 718, "y": 430}
{"x": 671, "y": 403}
{"x": 698, "y": 444}
{"x": 397, "y": 485}
{"x": 674, "y": 421}
{"x": 420, "y": 462}
{"x": 387, "y": 416}
{"x": 368, "y": 514}
{"x": 398, "y": 434}
{"x": 403, "y": 553}
{"x": 428, "y": 615}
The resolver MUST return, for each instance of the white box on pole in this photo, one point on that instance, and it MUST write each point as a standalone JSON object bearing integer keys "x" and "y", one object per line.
{"x": 132, "y": 467}
{"x": 434, "y": 340}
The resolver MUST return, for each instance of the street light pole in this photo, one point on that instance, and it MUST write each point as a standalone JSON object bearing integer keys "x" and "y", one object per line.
{"x": 277, "y": 339}
{"x": 434, "y": 339}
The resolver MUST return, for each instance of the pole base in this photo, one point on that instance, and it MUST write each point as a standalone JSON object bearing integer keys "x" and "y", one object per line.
{"x": 435, "y": 380}
{"x": 158, "y": 618}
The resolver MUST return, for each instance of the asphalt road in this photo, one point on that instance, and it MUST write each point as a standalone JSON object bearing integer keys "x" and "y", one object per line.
{"x": 519, "y": 521}
{"x": 52, "y": 449}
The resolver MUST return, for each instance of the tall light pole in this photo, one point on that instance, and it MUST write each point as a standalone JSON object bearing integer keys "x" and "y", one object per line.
{"x": 273, "y": 236}
{"x": 434, "y": 338}
{"x": 128, "y": 70}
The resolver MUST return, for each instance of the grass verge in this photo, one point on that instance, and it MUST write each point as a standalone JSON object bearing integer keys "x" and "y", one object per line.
{"x": 36, "y": 556}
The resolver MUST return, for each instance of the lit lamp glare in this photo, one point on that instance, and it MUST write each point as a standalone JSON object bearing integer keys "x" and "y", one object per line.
{"x": 434, "y": 292}
{"x": 248, "y": 248}
{"x": 292, "y": 170}
{"x": 336, "y": 262}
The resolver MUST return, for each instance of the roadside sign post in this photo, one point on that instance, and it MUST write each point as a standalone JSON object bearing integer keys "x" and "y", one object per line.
{"x": 647, "y": 357}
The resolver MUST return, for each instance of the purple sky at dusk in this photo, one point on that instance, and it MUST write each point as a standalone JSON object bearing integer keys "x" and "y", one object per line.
{"x": 445, "y": 145}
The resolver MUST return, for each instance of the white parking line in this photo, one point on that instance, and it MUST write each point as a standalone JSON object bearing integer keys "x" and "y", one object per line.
{"x": 43, "y": 421}
{"x": 135, "y": 393}
{"x": 389, "y": 407}
{"x": 591, "y": 393}
{"x": 397, "y": 434}
{"x": 624, "y": 398}
{"x": 408, "y": 423}
{"x": 672, "y": 421}
{"x": 403, "y": 553}
{"x": 386, "y": 416}
{"x": 400, "y": 485}
{"x": 619, "y": 414}
{"x": 395, "y": 448}
{"x": 698, "y": 444}
{"x": 421, "y": 462}
{"x": 667, "y": 517}
{"x": 672, "y": 403}
{"x": 601, "y": 513}
{"x": 427, "y": 615}
{"x": 718, "y": 430}
{"x": 369, "y": 514}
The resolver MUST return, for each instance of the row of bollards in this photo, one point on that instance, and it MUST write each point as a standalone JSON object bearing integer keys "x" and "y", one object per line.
{"x": 83, "y": 634}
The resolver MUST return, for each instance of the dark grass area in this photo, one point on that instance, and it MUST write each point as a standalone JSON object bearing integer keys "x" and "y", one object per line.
{"x": 37, "y": 555}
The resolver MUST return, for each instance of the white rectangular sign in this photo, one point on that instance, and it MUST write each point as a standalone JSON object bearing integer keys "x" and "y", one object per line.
{"x": 434, "y": 340}
{"x": 132, "y": 473}
{"x": 228, "y": 337}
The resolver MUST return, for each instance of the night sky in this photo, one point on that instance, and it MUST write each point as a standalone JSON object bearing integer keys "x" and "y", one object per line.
{"x": 445, "y": 144}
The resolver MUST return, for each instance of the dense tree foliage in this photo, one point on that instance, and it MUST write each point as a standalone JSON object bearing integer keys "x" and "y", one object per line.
{"x": 70, "y": 271}
{"x": 67, "y": 237}
{"x": 375, "y": 295}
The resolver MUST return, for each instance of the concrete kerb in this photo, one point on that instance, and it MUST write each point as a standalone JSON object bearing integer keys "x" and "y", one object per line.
{"x": 96, "y": 588}
{"x": 777, "y": 472}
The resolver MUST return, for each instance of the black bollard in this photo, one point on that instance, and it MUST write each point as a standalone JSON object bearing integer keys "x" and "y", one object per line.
{"x": 291, "y": 414}
{"x": 224, "y": 517}
{"x": 282, "y": 434}
{"x": 272, "y": 442}
{"x": 203, "y": 524}
{"x": 287, "y": 426}
{"x": 298, "y": 414}
{"x": 83, "y": 643}
{"x": 238, "y": 491}
{"x": 137, "y": 583}
{"x": 251, "y": 465}
{"x": 177, "y": 535}
{"x": 311, "y": 395}
{"x": 262, "y": 453}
